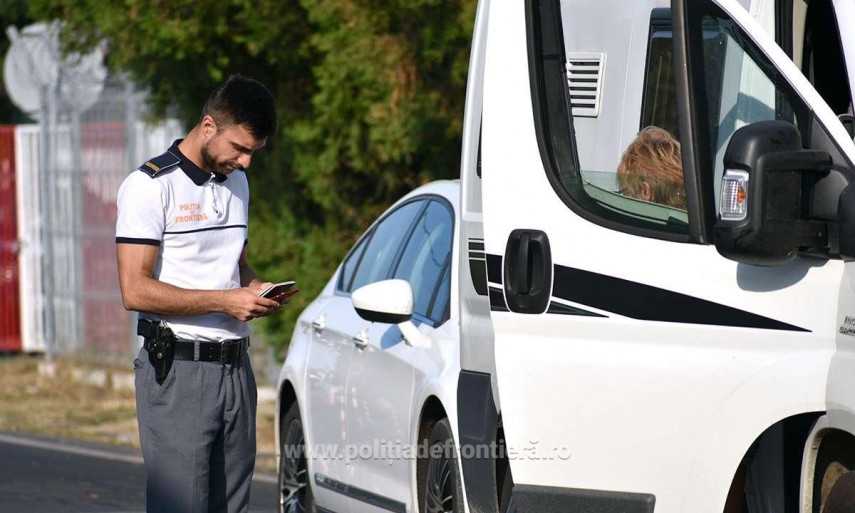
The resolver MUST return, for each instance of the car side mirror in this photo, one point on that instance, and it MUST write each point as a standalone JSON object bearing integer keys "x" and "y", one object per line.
{"x": 762, "y": 218}
{"x": 390, "y": 302}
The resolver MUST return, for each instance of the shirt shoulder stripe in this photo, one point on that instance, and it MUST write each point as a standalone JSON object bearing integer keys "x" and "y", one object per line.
{"x": 159, "y": 163}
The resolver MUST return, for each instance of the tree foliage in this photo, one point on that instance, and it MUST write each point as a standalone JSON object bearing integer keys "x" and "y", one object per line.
{"x": 369, "y": 94}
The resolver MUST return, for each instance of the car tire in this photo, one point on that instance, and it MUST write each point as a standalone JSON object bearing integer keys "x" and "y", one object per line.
{"x": 440, "y": 486}
{"x": 295, "y": 491}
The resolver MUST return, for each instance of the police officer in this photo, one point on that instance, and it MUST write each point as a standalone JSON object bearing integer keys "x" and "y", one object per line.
{"x": 181, "y": 241}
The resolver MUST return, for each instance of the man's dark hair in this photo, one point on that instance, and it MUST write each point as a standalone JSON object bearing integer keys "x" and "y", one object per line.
{"x": 241, "y": 100}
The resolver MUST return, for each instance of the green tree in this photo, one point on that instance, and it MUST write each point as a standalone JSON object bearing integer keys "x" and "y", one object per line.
{"x": 370, "y": 100}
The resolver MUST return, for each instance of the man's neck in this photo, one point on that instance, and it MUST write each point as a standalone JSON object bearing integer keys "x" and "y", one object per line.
{"x": 191, "y": 147}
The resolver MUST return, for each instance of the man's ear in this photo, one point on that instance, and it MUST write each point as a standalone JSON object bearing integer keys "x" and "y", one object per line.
{"x": 646, "y": 192}
{"x": 209, "y": 126}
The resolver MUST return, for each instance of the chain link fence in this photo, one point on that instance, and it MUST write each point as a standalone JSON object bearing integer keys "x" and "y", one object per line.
{"x": 68, "y": 237}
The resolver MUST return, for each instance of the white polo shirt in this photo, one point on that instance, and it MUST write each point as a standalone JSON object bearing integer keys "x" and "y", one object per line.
{"x": 199, "y": 222}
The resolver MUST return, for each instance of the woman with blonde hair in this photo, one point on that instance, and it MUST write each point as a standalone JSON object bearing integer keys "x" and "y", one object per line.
{"x": 651, "y": 169}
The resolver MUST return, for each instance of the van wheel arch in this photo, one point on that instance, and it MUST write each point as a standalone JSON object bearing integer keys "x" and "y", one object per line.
{"x": 773, "y": 465}
{"x": 829, "y": 466}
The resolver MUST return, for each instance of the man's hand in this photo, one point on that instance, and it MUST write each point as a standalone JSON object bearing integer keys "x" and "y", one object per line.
{"x": 244, "y": 304}
{"x": 258, "y": 287}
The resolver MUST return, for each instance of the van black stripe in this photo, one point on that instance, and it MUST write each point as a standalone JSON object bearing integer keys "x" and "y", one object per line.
{"x": 497, "y": 300}
{"x": 207, "y": 229}
{"x": 560, "y": 309}
{"x": 494, "y": 269}
{"x": 634, "y": 300}
{"x": 644, "y": 302}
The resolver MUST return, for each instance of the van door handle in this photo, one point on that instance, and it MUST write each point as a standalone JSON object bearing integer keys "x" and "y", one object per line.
{"x": 528, "y": 271}
{"x": 360, "y": 340}
{"x": 319, "y": 323}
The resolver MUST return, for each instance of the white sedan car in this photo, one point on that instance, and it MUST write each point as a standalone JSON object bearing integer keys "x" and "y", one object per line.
{"x": 366, "y": 409}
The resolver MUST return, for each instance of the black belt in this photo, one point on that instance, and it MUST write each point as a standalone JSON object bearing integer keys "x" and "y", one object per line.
{"x": 228, "y": 351}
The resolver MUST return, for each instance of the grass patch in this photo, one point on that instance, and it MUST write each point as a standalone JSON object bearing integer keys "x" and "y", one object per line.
{"x": 69, "y": 398}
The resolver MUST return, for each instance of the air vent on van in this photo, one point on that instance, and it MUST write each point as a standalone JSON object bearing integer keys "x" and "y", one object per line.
{"x": 585, "y": 81}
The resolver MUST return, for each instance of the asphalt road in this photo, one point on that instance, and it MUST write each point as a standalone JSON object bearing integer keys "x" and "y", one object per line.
{"x": 40, "y": 475}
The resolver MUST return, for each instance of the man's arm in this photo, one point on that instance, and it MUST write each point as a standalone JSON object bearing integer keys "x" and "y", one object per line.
{"x": 143, "y": 293}
{"x": 248, "y": 278}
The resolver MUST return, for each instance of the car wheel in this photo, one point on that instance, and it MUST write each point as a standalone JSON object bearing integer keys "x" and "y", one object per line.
{"x": 295, "y": 492}
{"x": 440, "y": 487}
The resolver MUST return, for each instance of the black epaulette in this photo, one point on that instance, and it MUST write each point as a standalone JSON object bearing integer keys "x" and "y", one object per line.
{"x": 159, "y": 163}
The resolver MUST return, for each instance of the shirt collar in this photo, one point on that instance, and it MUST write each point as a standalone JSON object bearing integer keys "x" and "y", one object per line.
{"x": 194, "y": 172}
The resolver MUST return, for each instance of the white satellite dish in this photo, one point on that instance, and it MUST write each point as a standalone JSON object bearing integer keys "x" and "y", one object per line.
{"x": 35, "y": 62}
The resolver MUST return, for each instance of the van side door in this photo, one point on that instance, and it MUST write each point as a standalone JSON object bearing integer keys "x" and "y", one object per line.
{"x": 635, "y": 364}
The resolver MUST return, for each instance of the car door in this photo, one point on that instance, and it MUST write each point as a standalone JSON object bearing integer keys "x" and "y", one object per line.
{"x": 333, "y": 349}
{"x": 634, "y": 362}
{"x": 334, "y": 325}
{"x": 381, "y": 380}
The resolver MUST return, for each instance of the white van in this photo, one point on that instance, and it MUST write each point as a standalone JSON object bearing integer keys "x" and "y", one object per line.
{"x": 636, "y": 352}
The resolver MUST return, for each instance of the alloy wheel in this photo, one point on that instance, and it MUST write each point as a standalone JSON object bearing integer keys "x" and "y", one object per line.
{"x": 293, "y": 471}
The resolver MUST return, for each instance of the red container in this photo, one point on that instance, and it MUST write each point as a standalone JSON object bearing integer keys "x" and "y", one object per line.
{"x": 10, "y": 311}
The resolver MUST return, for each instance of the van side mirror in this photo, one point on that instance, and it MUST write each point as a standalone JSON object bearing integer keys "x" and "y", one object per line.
{"x": 762, "y": 218}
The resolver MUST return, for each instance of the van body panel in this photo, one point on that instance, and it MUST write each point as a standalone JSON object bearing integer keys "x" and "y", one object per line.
{"x": 841, "y": 380}
{"x": 612, "y": 393}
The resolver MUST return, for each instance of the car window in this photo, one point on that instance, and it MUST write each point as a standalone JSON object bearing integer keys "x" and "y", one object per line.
{"x": 350, "y": 264}
{"x": 383, "y": 246}
{"x": 426, "y": 256}
{"x": 441, "y": 304}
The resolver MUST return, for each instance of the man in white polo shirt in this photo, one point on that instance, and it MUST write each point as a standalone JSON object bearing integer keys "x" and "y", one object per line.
{"x": 181, "y": 241}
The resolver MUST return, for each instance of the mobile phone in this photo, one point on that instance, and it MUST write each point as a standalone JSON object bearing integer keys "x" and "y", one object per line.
{"x": 277, "y": 289}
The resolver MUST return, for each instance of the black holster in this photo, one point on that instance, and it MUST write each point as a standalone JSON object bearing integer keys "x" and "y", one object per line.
{"x": 160, "y": 345}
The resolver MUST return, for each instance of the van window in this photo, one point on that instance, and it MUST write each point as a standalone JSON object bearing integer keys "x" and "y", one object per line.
{"x": 659, "y": 107}
{"x": 627, "y": 169}
{"x": 743, "y": 87}
{"x": 606, "y": 164}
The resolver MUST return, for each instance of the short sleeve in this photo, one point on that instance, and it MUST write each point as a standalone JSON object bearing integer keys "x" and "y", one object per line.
{"x": 141, "y": 210}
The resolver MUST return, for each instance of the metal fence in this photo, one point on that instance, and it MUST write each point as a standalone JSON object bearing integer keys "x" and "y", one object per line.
{"x": 70, "y": 169}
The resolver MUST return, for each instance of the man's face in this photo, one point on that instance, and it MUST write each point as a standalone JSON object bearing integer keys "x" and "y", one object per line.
{"x": 229, "y": 147}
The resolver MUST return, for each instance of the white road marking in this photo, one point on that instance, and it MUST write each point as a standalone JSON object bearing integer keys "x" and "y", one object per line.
{"x": 95, "y": 453}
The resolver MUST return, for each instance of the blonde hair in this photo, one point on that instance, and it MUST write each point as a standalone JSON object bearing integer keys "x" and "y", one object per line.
{"x": 653, "y": 158}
